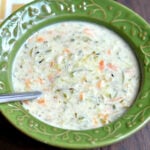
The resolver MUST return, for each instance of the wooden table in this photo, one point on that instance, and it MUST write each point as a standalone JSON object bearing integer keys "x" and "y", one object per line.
{"x": 12, "y": 139}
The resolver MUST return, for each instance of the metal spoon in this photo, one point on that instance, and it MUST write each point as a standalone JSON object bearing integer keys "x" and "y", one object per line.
{"x": 19, "y": 96}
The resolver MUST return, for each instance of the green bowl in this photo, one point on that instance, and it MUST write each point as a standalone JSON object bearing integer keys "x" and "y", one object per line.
{"x": 38, "y": 14}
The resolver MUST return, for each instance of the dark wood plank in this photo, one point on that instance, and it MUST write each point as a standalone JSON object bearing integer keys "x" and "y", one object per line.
{"x": 142, "y": 7}
{"x": 138, "y": 141}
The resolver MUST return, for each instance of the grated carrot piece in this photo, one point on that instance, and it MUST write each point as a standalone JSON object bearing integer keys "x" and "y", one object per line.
{"x": 112, "y": 66}
{"x": 99, "y": 84}
{"x": 28, "y": 83}
{"x": 67, "y": 50}
{"x": 41, "y": 101}
{"x": 81, "y": 96}
{"x": 101, "y": 65}
{"x": 88, "y": 31}
{"x": 40, "y": 39}
{"x": 105, "y": 116}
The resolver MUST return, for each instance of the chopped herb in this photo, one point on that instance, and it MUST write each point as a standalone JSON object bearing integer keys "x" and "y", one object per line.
{"x": 76, "y": 115}
{"x": 45, "y": 42}
{"x": 123, "y": 77}
{"x": 114, "y": 106}
{"x": 126, "y": 107}
{"x": 58, "y": 90}
{"x": 64, "y": 95}
{"x": 37, "y": 52}
{"x": 72, "y": 40}
{"x": 71, "y": 74}
{"x": 65, "y": 102}
{"x": 109, "y": 95}
{"x": 97, "y": 77}
{"x": 71, "y": 90}
{"x": 97, "y": 54}
{"x": 81, "y": 118}
{"x": 31, "y": 51}
{"x": 79, "y": 52}
{"x": 122, "y": 101}
{"x": 57, "y": 37}
{"x": 26, "y": 45}
{"x": 41, "y": 61}
{"x": 112, "y": 75}
{"x": 48, "y": 51}
{"x": 93, "y": 52}
{"x": 21, "y": 66}
{"x": 86, "y": 39}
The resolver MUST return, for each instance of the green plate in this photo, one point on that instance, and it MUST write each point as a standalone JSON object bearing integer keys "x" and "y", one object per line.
{"x": 38, "y": 14}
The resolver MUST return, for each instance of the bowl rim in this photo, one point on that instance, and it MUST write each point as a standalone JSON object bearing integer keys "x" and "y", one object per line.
{"x": 37, "y": 14}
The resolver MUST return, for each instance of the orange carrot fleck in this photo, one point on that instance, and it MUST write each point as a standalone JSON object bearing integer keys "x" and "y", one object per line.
{"x": 101, "y": 65}
{"x": 99, "y": 84}
{"x": 112, "y": 66}
{"x": 81, "y": 96}
{"x": 40, "y": 39}
{"x": 106, "y": 117}
{"x": 28, "y": 83}
{"x": 67, "y": 50}
{"x": 88, "y": 31}
{"x": 41, "y": 101}
{"x": 109, "y": 52}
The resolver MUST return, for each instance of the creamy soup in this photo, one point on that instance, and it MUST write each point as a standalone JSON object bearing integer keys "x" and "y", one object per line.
{"x": 87, "y": 73}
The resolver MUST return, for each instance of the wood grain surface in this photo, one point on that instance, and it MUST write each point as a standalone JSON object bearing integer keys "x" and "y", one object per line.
{"x": 12, "y": 139}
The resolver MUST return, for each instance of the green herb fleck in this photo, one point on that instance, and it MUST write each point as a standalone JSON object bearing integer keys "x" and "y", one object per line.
{"x": 41, "y": 61}
{"x": 71, "y": 90}
{"x": 57, "y": 37}
{"x": 71, "y": 74}
{"x": 72, "y": 40}
{"x": 64, "y": 95}
{"x": 81, "y": 118}
{"x": 76, "y": 115}
{"x": 58, "y": 90}
{"x": 48, "y": 51}
{"x": 114, "y": 106}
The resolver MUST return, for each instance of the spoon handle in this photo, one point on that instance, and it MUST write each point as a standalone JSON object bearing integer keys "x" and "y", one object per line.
{"x": 19, "y": 96}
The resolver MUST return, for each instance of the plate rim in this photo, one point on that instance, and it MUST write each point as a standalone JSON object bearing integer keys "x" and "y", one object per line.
{"x": 132, "y": 123}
